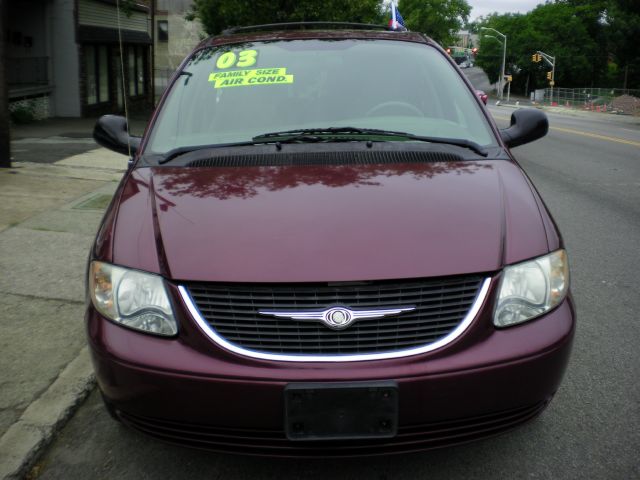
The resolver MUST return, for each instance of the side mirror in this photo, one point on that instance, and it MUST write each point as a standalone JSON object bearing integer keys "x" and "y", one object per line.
{"x": 527, "y": 125}
{"x": 111, "y": 132}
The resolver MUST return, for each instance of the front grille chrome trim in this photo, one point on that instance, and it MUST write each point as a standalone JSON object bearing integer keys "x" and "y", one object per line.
{"x": 213, "y": 335}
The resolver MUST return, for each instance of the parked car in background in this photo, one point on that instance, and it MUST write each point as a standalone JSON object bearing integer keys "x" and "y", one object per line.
{"x": 324, "y": 247}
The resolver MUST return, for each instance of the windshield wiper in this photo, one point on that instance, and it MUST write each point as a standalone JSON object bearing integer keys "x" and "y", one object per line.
{"x": 300, "y": 136}
{"x": 316, "y": 131}
{"x": 343, "y": 134}
{"x": 315, "y": 134}
{"x": 176, "y": 152}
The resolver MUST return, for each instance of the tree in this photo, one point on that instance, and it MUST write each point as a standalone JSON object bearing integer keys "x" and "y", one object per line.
{"x": 623, "y": 35}
{"x": 439, "y": 19}
{"x": 216, "y": 15}
{"x": 127, "y": 6}
{"x": 594, "y": 42}
{"x": 554, "y": 28}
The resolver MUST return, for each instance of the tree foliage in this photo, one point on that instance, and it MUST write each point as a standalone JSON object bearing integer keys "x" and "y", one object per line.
{"x": 216, "y": 15}
{"x": 439, "y": 19}
{"x": 127, "y": 6}
{"x": 594, "y": 42}
{"x": 623, "y": 18}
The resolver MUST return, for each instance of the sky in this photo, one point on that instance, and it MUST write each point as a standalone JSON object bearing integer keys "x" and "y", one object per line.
{"x": 483, "y": 7}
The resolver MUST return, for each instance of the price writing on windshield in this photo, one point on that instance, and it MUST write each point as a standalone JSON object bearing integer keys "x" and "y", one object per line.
{"x": 245, "y": 58}
{"x": 247, "y": 78}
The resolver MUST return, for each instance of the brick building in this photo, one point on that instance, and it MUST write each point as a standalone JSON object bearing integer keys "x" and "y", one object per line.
{"x": 174, "y": 38}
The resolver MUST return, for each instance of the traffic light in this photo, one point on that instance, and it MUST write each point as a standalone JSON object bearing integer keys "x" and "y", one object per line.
{"x": 548, "y": 75}
{"x": 536, "y": 57}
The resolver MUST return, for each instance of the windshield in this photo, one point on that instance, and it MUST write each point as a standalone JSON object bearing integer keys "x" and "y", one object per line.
{"x": 234, "y": 93}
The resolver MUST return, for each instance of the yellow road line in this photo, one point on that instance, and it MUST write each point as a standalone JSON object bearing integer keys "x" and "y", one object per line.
{"x": 587, "y": 134}
{"x": 595, "y": 135}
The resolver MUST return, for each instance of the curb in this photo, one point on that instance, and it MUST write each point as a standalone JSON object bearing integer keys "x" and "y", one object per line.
{"x": 22, "y": 443}
{"x": 515, "y": 107}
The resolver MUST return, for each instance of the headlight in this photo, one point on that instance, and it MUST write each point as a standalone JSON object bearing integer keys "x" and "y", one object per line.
{"x": 135, "y": 299}
{"x": 531, "y": 288}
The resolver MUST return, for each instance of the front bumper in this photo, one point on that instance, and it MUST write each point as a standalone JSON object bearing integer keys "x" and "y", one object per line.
{"x": 190, "y": 392}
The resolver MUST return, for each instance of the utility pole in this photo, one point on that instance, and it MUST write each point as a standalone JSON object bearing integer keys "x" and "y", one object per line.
{"x": 5, "y": 136}
{"x": 551, "y": 76}
{"x": 504, "y": 54}
{"x": 153, "y": 53}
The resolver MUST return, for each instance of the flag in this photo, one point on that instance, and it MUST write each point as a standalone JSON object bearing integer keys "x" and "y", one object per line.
{"x": 396, "y": 22}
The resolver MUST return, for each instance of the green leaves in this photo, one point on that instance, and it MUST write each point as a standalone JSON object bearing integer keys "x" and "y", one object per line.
{"x": 216, "y": 15}
{"x": 439, "y": 19}
{"x": 586, "y": 37}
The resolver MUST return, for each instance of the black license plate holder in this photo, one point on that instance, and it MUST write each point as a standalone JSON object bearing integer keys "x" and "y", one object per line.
{"x": 341, "y": 411}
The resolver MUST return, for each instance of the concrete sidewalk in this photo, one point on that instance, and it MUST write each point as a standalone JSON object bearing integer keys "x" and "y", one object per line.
{"x": 49, "y": 213}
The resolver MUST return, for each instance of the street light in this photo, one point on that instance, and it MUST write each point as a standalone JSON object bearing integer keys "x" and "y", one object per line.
{"x": 501, "y": 79}
{"x": 504, "y": 53}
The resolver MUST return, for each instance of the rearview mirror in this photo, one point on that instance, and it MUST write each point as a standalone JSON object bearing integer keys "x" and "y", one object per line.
{"x": 111, "y": 132}
{"x": 527, "y": 125}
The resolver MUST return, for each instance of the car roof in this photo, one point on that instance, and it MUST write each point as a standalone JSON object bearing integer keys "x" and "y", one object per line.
{"x": 309, "y": 31}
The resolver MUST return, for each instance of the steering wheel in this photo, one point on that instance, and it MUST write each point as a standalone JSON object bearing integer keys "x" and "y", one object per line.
{"x": 395, "y": 104}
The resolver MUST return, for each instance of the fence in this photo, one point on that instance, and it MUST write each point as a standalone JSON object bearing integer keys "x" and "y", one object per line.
{"x": 597, "y": 99}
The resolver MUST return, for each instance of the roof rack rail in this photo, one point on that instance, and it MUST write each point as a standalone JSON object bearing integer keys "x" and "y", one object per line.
{"x": 304, "y": 26}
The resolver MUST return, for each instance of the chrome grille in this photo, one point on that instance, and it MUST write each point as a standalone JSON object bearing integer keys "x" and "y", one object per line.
{"x": 232, "y": 311}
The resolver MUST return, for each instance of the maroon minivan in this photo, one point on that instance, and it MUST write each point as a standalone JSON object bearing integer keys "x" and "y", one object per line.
{"x": 323, "y": 247}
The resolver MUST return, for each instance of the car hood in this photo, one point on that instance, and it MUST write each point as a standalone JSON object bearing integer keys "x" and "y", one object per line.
{"x": 327, "y": 223}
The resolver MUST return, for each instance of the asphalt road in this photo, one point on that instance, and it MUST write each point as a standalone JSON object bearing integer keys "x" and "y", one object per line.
{"x": 478, "y": 78}
{"x": 588, "y": 172}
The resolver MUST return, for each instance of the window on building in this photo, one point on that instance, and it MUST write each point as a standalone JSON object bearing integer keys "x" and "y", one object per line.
{"x": 103, "y": 74}
{"x": 132, "y": 72}
{"x": 137, "y": 70}
{"x": 163, "y": 31}
{"x": 141, "y": 69}
{"x": 96, "y": 59}
{"x": 90, "y": 69}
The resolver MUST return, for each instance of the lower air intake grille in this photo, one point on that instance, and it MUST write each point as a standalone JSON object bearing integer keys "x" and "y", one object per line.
{"x": 232, "y": 311}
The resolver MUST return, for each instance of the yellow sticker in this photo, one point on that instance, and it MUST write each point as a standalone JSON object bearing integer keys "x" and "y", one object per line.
{"x": 247, "y": 78}
{"x": 245, "y": 58}
{"x": 248, "y": 58}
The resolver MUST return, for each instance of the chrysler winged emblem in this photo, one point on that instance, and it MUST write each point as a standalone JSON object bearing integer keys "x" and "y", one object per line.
{"x": 337, "y": 317}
